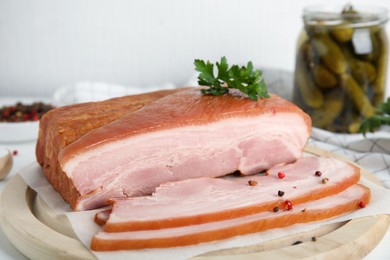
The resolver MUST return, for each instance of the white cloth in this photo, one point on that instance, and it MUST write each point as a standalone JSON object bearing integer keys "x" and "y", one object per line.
{"x": 371, "y": 152}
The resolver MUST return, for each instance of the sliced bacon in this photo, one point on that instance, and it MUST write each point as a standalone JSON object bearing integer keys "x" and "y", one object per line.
{"x": 102, "y": 217}
{"x": 202, "y": 200}
{"x": 321, "y": 209}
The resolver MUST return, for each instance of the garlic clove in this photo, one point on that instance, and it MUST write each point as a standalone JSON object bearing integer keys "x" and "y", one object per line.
{"x": 6, "y": 162}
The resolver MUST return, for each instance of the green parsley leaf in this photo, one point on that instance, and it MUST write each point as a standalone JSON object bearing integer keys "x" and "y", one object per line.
{"x": 245, "y": 79}
{"x": 374, "y": 122}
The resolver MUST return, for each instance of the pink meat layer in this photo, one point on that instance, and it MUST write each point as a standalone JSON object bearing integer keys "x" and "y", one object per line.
{"x": 181, "y": 136}
{"x": 328, "y": 207}
{"x": 203, "y": 200}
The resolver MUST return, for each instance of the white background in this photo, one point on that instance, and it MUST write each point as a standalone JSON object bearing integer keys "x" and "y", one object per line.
{"x": 45, "y": 44}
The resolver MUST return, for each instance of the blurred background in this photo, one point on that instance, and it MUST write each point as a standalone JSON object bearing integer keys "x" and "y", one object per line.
{"x": 45, "y": 44}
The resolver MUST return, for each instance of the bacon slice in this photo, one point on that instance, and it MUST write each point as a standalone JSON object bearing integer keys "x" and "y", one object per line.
{"x": 183, "y": 135}
{"x": 102, "y": 217}
{"x": 202, "y": 200}
{"x": 325, "y": 208}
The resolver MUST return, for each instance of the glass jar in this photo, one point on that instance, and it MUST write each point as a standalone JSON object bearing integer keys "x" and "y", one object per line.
{"x": 341, "y": 65}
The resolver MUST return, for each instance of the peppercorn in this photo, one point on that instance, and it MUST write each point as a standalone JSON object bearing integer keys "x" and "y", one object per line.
{"x": 280, "y": 193}
{"x": 289, "y": 205}
{"x": 297, "y": 243}
{"x": 324, "y": 180}
{"x": 22, "y": 113}
{"x": 252, "y": 183}
{"x": 318, "y": 173}
{"x": 276, "y": 209}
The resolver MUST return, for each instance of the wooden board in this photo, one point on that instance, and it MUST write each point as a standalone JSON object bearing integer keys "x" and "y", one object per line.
{"x": 39, "y": 233}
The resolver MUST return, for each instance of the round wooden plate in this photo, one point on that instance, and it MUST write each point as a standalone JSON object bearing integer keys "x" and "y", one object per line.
{"x": 39, "y": 233}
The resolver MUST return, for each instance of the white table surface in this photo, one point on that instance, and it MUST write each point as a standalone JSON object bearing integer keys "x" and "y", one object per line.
{"x": 26, "y": 155}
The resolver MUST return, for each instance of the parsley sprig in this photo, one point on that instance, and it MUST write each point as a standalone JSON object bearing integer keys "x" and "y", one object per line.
{"x": 245, "y": 79}
{"x": 382, "y": 118}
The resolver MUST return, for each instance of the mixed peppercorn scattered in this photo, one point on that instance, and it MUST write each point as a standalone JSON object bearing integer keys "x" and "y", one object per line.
{"x": 288, "y": 204}
{"x": 22, "y": 112}
{"x": 252, "y": 183}
{"x": 297, "y": 242}
{"x": 325, "y": 180}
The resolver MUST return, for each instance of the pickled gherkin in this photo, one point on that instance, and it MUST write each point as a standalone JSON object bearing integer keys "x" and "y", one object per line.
{"x": 342, "y": 33}
{"x": 323, "y": 77}
{"x": 310, "y": 94}
{"x": 357, "y": 96}
{"x": 330, "y": 110}
{"x": 363, "y": 72}
{"x": 329, "y": 52}
{"x": 381, "y": 67}
{"x": 341, "y": 65}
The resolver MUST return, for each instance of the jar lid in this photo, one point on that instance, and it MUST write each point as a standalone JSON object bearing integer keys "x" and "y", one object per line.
{"x": 348, "y": 15}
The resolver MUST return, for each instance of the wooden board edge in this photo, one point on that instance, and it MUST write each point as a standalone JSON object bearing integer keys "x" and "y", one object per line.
{"x": 29, "y": 235}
